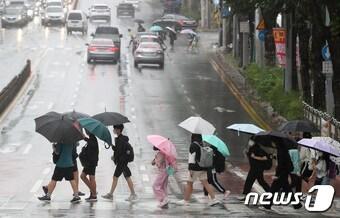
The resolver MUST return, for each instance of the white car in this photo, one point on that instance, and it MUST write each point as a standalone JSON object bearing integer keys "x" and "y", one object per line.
{"x": 53, "y": 14}
{"x": 76, "y": 20}
{"x": 135, "y": 3}
{"x": 100, "y": 11}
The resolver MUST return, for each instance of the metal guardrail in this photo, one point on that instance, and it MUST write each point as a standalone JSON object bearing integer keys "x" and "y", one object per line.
{"x": 8, "y": 94}
{"x": 328, "y": 124}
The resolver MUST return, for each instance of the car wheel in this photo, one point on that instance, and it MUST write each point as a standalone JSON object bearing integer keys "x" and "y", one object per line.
{"x": 161, "y": 65}
{"x": 136, "y": 64}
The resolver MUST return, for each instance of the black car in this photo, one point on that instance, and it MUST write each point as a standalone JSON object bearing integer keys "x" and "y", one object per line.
{"x": 109, "y": 32}
{"x": 126, "y": 9}
{"x": 177, "y": 21}
{"x": 14, "y": 17}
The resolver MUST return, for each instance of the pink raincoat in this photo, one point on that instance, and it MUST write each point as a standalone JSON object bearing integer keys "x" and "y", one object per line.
{"x": 160, "y": 185}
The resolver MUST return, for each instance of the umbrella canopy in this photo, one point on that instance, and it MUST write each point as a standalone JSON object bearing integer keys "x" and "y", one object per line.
{"x": 325, "y": 144}
{"x": 96, "y": 128}
{"x": 245, "y": 128}
{"x": 74, "y": 115}
{"x": 298, "y": 126}
{"x": 279, "y": 138}
{"x": 57, "y": 128}
{"x": 188, "y": 31}
{"x": 156, "y": 29}
{"x": 165, "y": 146}
{"x": 336, "y": 145}
{"x": 139, "y": 21}
{"x": 217, "y": 143}
{"x": 111, "y": 118}
{"x": 197, "y": 125}
{"x": 170, "y": 29}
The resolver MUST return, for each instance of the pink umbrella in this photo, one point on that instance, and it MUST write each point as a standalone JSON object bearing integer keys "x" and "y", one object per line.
{"x": 165, "y": 146}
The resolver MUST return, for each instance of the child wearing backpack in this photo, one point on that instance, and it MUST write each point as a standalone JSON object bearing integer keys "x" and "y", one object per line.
{"x": 123, "y": 154}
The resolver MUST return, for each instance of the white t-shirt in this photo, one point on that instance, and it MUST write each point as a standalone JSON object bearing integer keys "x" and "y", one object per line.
{"x": 307, "y": 155}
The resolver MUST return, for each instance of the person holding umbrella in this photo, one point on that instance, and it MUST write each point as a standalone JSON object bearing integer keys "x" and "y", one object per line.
{"x": 121, "y": 151}
{"x": 140, "y": 28}
{"x": 63, "y": 169}
{"x": 89, "y": 160}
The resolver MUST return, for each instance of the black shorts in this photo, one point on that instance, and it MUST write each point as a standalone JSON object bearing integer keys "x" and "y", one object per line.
{"x": 89, "y": 171}
{"x": 75, "y": 166}
{"x": 122, "y": 168}
{"x": 60, "y": 173}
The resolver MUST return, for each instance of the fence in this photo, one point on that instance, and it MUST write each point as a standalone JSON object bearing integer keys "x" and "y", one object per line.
{"x": 327, "y": 124}
{"x": 8, "y": 93}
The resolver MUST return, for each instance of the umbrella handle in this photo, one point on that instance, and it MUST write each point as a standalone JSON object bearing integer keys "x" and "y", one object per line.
{"x": 107, "y": 146}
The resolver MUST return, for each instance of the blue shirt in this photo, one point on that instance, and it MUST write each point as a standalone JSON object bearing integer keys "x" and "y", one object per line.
{"x": 65, "y": 159}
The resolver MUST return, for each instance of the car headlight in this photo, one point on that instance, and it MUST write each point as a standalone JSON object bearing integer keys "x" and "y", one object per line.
{"x": 19, "y": 17}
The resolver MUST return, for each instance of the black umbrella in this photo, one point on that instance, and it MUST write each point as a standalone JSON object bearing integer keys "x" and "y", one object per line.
{"x": 299, "y": 126}
{"x": 279, "y": 138}
{"x": 74, "y": 115}
{"x": 139, "y": 21}
{"x": 57, "y": 128}
{"x": 111, "y": 118}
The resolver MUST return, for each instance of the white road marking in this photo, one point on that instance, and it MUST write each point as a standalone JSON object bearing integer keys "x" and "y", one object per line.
{"x": 36, "y": 186}
{"x": 7, "y": 150}
{"x": 134, "y": 117}
{"x": 75, "y": 96}
{"x": 72, "y": 103}
{"x": 76, "y": 89}
{"x": 50, "y": 105}
{"x": 146, "y": 178}
{"x": 27, "y": 149}
{"x": 188, "y": 99}
{"x": 142, "y": 168}
{"x": 46, "y": 170}
{"x": 133, "y": 109}
{"x": 193, "y": 107}
{"x": 185, "y": 91}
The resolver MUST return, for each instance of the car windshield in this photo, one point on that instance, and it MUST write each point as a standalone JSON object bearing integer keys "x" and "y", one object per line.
{"x": 74, "y": 16}
{"x": 101, "y": 7}
{"x": 54, "y": 9}
{"x": 54, "y": 4}
{"x": 106, "y": 30}
{"x": 12, "y": 11}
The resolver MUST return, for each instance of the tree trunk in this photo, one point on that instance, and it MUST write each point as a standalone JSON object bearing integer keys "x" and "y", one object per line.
{"x": 295, "y": 82}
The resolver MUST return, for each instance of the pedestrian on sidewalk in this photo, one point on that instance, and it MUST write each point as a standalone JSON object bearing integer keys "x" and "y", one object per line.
{"x": 256, "y": 157}
{"x": 196, "y": 172}
{"x": 295, "y": 179}
{"x": 121, "y": 157}
{"x": 160, "y": 185}
{"x": 74, "y": 169}
{"x": 308, "y": 163}
{"x": 89, "y": 159}
{"x": 172, "y": 38}
{"x": 218, "y": 167}
{"x": 63, "y": 169}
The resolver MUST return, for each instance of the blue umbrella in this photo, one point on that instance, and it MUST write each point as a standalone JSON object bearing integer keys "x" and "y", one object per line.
{"x": 217, "y": 143}
{"x": 156, "y": 29}
{"x": 96, "y": 128}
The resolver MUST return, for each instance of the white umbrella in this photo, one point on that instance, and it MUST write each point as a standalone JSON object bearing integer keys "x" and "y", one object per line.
{"x": 188, "y": 31}
{"x": 245, "y": 128}
{"x": 325, "y": 144}
{"x": 197, "y": 125}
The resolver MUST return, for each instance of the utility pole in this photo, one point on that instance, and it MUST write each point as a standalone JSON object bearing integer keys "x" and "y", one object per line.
{"x": 259, "y": 44}
{"x": 204, "y": 14}
{"x": 244, "y": 29}
{"x": 288, "y": 24}
{"x": 236, "y": 36}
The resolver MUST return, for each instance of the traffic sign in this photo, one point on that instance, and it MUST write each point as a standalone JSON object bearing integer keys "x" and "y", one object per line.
{"x": 261, "y": 25}
{"x": 326, "y": 54}
{"x": 262, "y": 35}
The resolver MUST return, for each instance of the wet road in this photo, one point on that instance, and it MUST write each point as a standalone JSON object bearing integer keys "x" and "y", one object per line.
{"x": 154, "y": 100}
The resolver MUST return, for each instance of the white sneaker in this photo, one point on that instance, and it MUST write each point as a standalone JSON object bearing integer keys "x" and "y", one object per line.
{"x": 213, "y": 202}
{"x": 132, "y": 197}
{"x": 164, "y": 204}
{"x": 226, "y": 194}
{"x": 182, "y": 203}
{"x": 241, "y": 198}
{"x": 108, "y": 196}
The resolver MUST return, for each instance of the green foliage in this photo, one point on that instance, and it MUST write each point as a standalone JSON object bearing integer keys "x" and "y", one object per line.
{"x": 268, "y": 83}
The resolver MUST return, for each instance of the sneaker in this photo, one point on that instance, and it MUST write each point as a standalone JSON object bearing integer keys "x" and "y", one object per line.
{"x": 75, "y": 199}
{"x": 241, "y": 198}
{"x": 81, "y": 193}
{"x": 91, "y": 198}
{"x": 45, "y": 189}
{"x": 45, "y": 198}
{"x": 226, "y": 194}
{"x": 183, "y": 203}
{"x": 108, "y": 196}
{"x": 214, "y": 202}
{"x": 164, "y": 204}
{"x": 132, "y": 198}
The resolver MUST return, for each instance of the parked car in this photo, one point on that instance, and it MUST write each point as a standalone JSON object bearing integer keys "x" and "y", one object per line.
{"x": 14, "y": 16}
{"x": 125, "y": 9}
{"x": 53, "y": 15}
{"x": 108, "y": 32}
{"x": 135, "y": 3}
{"x": 177, "y": 21}
{"x": 102, "y": 49}
{"x": 100, "y": 11}
{"x": 149, "y": 53}
{"x": 76, "y": 20}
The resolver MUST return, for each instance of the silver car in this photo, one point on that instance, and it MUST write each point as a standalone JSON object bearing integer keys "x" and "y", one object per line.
{"x": 102, "y": 49}
{"x": 53, "y": 14}
{"x": 149, "y": 53}
{"x": 100, "y": 11}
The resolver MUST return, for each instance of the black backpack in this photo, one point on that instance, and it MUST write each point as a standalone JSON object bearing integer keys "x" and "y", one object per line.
{"x": 219, "y": 161}
{"x": 129, "y": 153}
